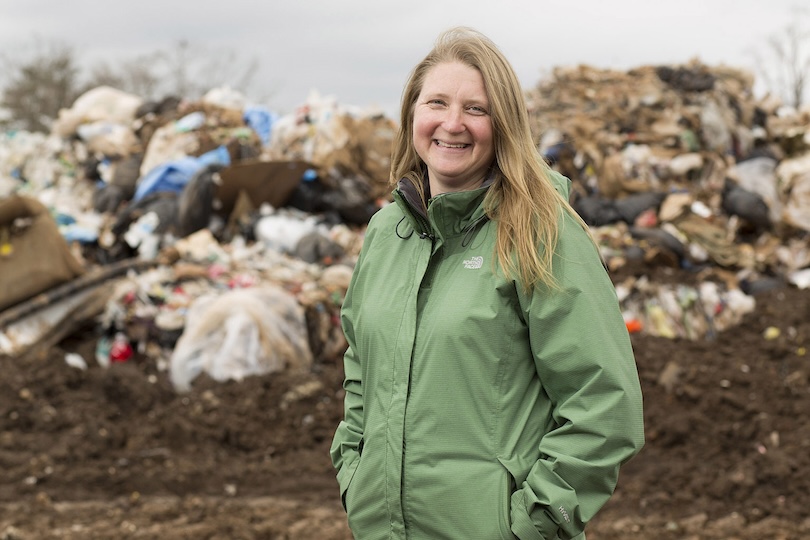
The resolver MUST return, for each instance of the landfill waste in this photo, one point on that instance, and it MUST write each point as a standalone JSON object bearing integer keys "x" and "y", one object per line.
{"x": 120, "y": 348}
{"x": 724, "y": 170}
{"x": 219, "y": 236}
{"x": 27, "y": 233}
{"x": 242, "y": 332}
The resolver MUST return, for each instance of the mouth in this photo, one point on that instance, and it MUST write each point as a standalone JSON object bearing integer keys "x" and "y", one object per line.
{"x": 443, "y": 144}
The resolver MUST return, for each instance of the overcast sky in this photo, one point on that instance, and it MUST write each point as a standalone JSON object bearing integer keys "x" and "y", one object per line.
{"x": 360, "y": 51}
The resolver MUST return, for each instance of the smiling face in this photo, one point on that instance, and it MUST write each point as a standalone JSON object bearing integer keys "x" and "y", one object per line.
{"x": 452, "y": 128}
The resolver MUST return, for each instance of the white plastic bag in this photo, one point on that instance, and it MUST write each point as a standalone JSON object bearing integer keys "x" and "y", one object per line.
{"x": 240, "y": 333}
{"x": 102, "y": 103}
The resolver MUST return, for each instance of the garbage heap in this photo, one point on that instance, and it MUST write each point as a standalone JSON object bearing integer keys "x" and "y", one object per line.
{"x": 209, "y": 236}
{"x": 682, "y": 167}
{"x": 216, "y": 236}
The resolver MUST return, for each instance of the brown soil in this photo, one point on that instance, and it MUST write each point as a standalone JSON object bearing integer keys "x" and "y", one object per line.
{"x": 116, "y": 453}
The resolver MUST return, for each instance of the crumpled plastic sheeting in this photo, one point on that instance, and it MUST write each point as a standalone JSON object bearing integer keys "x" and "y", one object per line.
{"x": 102, "y": 103}
{"x": 174, "y": 175}
{"x": 240, "y": 333}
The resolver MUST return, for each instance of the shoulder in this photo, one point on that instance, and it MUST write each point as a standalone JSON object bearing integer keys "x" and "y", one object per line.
{"x": 560, "y": 183}
{"x": 386, "y": 217}
{"x": 383, "y": 223}
{"x": 391, "y": 212}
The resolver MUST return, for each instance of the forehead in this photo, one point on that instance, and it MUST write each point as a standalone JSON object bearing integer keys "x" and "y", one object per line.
{"x": 454, "y": 78}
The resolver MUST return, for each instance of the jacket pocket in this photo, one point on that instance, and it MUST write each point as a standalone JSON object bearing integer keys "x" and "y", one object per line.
{"x": 346, "y": 475}
{"x": 364, "y": 497}
{"x": 504, "y": 521}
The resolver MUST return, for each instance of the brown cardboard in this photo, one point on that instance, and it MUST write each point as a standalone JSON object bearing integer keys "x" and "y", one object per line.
{"x": 270, "y": 182}
{"x": 35, "y": 256}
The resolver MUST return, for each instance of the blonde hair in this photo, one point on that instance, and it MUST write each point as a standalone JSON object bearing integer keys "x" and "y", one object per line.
{"x": 522, "y": 200}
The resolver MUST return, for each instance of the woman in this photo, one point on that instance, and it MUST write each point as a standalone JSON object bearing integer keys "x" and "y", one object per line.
{"x": 491, "y": 390}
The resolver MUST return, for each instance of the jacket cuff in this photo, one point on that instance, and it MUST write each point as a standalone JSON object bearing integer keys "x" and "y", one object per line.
{"x": 524, "y": 527}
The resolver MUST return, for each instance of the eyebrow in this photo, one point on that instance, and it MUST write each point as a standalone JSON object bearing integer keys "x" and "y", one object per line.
{"x": 482, "y": 102}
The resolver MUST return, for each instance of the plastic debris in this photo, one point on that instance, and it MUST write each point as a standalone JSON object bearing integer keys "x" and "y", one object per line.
{"x": 226, "y": 197}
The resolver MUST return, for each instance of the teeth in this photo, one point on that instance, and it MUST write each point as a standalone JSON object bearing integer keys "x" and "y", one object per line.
{"x": 448, "y": 145}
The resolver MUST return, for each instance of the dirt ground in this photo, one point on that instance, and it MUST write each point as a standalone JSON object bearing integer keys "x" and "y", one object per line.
{"x": 116, "y": 453}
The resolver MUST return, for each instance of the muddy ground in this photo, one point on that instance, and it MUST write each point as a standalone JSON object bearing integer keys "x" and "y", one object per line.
{"x": 117, "y": 453}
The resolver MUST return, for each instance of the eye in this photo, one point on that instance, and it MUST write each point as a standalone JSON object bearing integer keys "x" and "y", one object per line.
{"x": 436, "y": 102}
{"x": 477, "y": 110}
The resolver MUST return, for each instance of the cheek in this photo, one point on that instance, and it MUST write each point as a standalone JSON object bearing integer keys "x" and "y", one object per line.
{"x": 422, "y": 133}
{"x": 485, "y": 137}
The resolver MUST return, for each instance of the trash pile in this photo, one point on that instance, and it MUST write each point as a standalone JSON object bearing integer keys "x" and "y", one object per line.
{"x": 209, "y": 236}
{"x": 680, "y": 166}
{"x": 217, "y": 236}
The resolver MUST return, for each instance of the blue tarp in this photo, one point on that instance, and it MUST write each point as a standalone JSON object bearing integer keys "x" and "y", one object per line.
{"x": 261, "y": 120}
{"x": 174, "y": 175}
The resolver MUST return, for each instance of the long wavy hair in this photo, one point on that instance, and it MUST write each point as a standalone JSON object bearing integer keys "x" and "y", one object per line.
{"x": 522, "y": 200}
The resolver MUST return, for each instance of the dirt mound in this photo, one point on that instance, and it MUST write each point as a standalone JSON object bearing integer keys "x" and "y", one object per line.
{"x": 117, "y": 453}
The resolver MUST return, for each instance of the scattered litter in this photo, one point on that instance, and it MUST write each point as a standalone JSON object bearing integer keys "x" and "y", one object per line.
{"x": 247, "y": 223}
{"x": 75, "y": 360}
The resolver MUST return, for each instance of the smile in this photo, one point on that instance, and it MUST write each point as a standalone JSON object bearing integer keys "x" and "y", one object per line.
{"x": 448, "y": 145}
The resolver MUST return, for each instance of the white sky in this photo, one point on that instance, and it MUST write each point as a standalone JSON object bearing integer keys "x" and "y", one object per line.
{"x": 360, "y": 51}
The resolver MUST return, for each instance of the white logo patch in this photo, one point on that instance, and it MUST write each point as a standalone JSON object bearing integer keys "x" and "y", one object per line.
{"x": 474, "y": 263}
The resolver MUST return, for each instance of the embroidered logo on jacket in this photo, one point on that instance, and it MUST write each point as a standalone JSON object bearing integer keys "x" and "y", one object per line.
{"x": 474, "y": 263}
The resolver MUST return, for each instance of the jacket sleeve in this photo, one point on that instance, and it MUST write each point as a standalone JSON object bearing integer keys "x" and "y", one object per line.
{"x": 347, "y": 441}
{"x": 584, "y": 359}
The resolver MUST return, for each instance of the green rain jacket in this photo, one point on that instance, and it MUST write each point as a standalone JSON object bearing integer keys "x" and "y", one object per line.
{"x": 474, "y": 410}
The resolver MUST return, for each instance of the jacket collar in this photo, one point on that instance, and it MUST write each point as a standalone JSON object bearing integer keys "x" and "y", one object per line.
{"x": 411, "y": 195}
{"x": 446, "y": 215}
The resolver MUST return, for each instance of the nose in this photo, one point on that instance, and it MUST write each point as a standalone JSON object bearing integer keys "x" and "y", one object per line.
{"x": 453, "y": 121}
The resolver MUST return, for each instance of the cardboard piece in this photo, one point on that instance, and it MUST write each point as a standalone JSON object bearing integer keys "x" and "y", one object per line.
{"x": 33, "y": 254}
{"x": 270, "y": 182}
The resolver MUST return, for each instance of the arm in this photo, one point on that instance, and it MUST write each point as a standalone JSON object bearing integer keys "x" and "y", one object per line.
{"x": 584, "y": 359}
{"x": 345, "y": 449}
{"x": 346, "y": 444}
